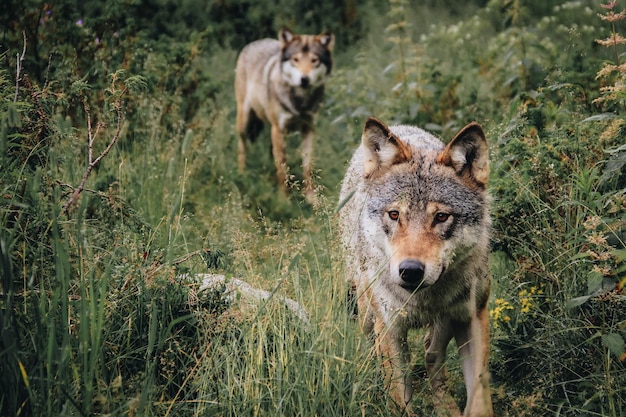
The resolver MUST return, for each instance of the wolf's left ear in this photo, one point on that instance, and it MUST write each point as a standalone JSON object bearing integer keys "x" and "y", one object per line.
{"x": 285, "y": 36}
{"x": 468, "y": 154}
{"x": 382, "y": 148}
{"x": 326, "y": 39}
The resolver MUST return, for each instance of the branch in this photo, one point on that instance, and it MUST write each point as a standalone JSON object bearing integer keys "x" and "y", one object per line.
{"x": 94, "y": 162}
{"x": 20, "y": 60}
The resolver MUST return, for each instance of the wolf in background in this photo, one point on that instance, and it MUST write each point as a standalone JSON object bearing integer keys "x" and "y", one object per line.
{"x": 415, "y": 226}
{"x": 282, "y": 82}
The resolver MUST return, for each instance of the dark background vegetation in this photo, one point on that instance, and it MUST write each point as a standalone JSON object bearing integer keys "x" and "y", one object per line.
{"x": 97, "y": 317}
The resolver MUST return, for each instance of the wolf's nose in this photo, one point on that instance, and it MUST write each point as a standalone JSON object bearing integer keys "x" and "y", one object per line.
{"x": 412, "y": 273}
{"x": 304, "y": 82}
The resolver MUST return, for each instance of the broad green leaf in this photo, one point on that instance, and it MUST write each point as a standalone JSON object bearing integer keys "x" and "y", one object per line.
{"x": 615, "y": 343}
{"x": 578, "y": 301}
{"x": 619, "y": 253}
{"x": 600, "y": 117}
{"x": 594, "y": 281}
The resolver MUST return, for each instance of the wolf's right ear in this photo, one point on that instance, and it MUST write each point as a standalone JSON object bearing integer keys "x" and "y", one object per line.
{"x": 326, "y": 39}
{"x": 285, "y": 36}
{"x": 468, "y": 155}
{"x": 382, "y": 148}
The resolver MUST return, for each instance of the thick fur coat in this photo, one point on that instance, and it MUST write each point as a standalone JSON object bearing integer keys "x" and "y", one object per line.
{"x": 415, "y": 227}
{"x": 281, "y": 81}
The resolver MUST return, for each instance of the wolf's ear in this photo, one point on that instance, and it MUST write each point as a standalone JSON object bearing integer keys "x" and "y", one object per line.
{"x": 285, "y": 36}
{"x": 382, "y": 148}
{"x": 468, "y": 154}
{"x": 326, "y": 39}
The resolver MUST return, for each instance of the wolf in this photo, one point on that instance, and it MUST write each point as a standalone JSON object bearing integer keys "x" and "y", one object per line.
{"x": 414, "y": 221}
{"x": 282, "y": 82}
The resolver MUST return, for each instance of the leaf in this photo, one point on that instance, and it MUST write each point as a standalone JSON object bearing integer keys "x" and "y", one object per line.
{"x": 615, "y": 150}
{"x": 136, "y": 83}
{"x": 619, "y": 253}
{"x": 24, "y": 374}
{"x": 594, "y": 281}
{"x": 344, "y": 201}
{"x": 615, "y": 343}
{"x": 575, "y": 302}
{"x": 79, "y": 88}
{"x": 558, "y": 86}
{"x": 581, "y": 255}
{"x": 13, "y": 116}
{"x": 599, "y": 117}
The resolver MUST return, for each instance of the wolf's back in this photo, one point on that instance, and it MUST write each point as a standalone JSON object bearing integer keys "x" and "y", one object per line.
{"x": 257, "y": 53}
{"x": 252, "y": 63}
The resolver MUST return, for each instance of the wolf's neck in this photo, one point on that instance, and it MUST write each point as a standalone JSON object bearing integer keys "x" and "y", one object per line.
{"x": 305, "y": 100}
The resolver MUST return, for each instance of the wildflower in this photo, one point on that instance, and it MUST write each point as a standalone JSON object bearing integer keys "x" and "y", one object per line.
{"x": 597, "y": 239}
{"x": 608, "y": 69}
{"x": 602, "y": 270}
{"x": 601, "y": 257}
{"x": 609, "y": 5}
{"x": 614, "y": 127}
{"x": 612, "y": 16}
{"x": 527, "y": 305}
{"x": 498, "y": 314}
{"x": 614, "y": 39}
{"x": 79, "y": 22}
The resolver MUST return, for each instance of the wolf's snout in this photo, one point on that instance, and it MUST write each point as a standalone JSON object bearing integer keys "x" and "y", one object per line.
{"x": 304, "y": 82}
{"x": 412, "y": 273}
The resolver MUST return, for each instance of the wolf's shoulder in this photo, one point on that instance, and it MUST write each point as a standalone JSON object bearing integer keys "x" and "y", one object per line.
{"x": 417, "y": 137}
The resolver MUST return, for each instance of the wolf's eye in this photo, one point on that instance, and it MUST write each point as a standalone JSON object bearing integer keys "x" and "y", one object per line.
{"x": 315, "y": 61}
{"x": 295, "y": 59}
{"x": 441, "y": 217}
{"x": 394, "y": 215}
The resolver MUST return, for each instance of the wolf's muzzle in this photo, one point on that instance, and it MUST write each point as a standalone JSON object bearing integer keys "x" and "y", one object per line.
{"x": 412, "y": 274}
{"x": 304, "y": 82}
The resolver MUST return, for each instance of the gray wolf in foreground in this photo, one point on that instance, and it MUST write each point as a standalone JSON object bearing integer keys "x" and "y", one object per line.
{"x": 282, "y": 82}
{"x": 415, "y": 226}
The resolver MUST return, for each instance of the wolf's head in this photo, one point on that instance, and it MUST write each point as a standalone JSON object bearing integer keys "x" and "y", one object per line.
{"x": 426, "y": 205}
{"x": 306, "y": 59}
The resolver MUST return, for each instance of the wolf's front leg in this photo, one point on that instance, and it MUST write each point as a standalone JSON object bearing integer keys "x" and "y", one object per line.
{"x": 392, "y": 348}
{"x": 472, "y": 340}
{"x": 436, "y": 343}
{"x": 308, "y": 138}
{"x": 242, "y": 127}
{"x": 280, "y": 161}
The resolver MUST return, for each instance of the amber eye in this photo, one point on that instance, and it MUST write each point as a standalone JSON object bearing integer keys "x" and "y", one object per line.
{"x": 295, "y": 59}
{"x": 394, "y": 215}
{"x": 315, "y": 61}
{"x": 441, "y": 217}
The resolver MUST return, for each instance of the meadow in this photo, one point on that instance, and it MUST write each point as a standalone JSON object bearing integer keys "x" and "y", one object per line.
{"x": 119, "y": 184}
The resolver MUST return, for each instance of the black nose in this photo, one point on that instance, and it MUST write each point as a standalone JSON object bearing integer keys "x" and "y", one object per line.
{"x": 304, "y": 82}
{"x": 412, "y": 273}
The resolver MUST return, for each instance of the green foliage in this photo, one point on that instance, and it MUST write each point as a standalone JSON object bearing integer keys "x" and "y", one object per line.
{"x": 100, "y": 312}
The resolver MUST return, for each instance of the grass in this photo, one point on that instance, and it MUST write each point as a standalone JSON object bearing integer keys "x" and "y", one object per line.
{"x": 97, "y": 319}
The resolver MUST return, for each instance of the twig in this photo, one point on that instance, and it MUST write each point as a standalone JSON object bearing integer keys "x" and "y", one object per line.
{"x": 20, "y": 60}
{"x": 187, "y": 257}
{"x": 91, "y": 138}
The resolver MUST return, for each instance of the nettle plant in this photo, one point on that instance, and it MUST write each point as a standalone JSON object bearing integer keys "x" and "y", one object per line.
{"x": 605, "y": 248}
{"x": 560, "y": 217}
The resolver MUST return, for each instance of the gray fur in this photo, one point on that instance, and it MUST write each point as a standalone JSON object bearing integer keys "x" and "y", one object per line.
{"x": 424, "y": 179}
{"x": 281, "y": 82}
